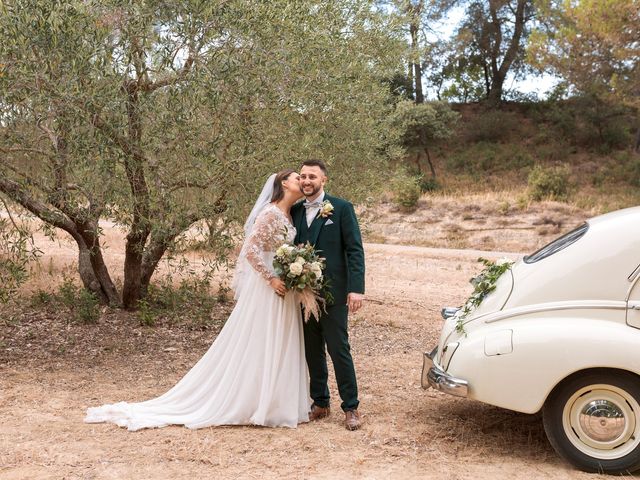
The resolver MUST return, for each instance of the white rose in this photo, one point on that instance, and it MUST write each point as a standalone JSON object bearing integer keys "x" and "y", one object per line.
{"x": 300, "y": 260}
{"x": 316, "y": 269}
{"x": 281, "y": 251}
{"x": 295, "y": 269}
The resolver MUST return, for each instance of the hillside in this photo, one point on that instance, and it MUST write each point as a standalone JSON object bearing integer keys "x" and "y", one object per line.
{"x": 589, "y": 142}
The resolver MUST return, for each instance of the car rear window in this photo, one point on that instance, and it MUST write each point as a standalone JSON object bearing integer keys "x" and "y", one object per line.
{"x": 558, "y": 244}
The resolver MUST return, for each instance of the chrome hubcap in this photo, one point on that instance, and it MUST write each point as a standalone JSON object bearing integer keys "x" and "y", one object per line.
{"x": 602, "y": 420}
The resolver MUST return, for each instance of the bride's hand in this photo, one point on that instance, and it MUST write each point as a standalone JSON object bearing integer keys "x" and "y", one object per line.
{"x": 278, "y": 285}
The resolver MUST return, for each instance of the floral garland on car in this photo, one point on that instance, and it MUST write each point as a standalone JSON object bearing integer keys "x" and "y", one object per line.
{"x": 483, "y": 284}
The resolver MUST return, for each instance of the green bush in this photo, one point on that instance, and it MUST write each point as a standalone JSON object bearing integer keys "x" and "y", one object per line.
{"x": 191, "y": 299}
{"x": 554, "y": 151}
{"x": 491, "y": 126}
{"x": 485, "y": 157}
{"x": 406, "y": 190}
{"x": 146, "y": 314}
{"x": 589, "y": 122}
{"x": 41, "y": 298}
{"x": 428, "y": 183}
{"x": 548, "y": 183}
{"x": 87, "y": 309}
{"x": 67, "y": 293}
{"x": 81, "y": 303}
{"x": 627, "y": 168}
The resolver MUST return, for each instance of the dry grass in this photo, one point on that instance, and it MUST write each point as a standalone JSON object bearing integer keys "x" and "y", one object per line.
{"x": 489, "y": 221}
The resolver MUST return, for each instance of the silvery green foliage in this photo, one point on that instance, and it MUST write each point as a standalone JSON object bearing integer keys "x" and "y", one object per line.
{"x": 159, "y": 114}
{"x": 483, "y": 285}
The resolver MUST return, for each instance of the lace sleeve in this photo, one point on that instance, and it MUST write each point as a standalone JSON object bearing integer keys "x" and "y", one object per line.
{"x": 269, "y": 232}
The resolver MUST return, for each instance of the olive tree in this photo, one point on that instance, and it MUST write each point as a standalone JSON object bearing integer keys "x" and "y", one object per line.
{"x": 157, "y": 114}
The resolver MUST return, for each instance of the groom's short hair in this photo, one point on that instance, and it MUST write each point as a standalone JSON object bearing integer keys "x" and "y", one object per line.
{"x": 314, "y": 162}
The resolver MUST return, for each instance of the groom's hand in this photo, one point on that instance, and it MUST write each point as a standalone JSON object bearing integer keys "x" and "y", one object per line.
{"x": 354, "y": 301}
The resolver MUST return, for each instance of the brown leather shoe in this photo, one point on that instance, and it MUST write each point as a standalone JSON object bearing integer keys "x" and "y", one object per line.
{"x": 318, "y": 413}
{"x": 352, "y": 420}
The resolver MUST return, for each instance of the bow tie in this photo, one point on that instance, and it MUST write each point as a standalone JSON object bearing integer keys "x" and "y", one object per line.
{"x": 315, "y": 204}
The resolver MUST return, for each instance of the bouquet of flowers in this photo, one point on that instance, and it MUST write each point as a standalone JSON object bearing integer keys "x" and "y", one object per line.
{"x": 300, "y": 268}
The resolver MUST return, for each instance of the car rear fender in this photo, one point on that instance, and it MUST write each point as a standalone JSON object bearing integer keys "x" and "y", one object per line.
{"x": 544, "y": 352}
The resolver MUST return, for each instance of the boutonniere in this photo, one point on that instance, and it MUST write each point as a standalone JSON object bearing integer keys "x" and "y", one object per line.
{"x": 326, "y": 209}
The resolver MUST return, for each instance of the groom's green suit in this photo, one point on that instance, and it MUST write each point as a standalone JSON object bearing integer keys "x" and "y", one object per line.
{"x": 338, "y": 239}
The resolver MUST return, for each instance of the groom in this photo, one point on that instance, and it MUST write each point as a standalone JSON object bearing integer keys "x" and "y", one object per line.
{"x": 330, "y": 225}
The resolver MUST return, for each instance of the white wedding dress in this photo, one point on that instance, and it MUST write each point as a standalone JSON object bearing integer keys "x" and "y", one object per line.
{"x": 255, "y": 372}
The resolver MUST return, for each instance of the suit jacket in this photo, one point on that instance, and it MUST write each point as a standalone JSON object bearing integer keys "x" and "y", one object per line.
{"x": 337, "y": 238}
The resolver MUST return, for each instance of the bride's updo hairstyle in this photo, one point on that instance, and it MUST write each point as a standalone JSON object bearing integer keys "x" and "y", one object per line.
{"x": 278, "y": 190}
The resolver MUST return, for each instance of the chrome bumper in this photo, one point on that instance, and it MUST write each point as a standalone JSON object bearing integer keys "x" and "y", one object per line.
{"x": 433, "y": 376}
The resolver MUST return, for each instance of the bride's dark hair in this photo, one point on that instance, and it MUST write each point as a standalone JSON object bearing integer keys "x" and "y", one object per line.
{"x": 278, "y": 190}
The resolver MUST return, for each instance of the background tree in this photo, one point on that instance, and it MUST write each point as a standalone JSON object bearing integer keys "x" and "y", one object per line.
{"x": 421, "y": 126}
{"x": 595, "y": 46}
{"x": 157, "y": 114}
{"x": 488, "y": 45}
{"x": 458, "y": 73}
{"x": 417, "y": 20}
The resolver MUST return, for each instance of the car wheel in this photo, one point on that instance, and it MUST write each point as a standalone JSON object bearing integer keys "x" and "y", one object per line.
{"x": 592, "y": 419}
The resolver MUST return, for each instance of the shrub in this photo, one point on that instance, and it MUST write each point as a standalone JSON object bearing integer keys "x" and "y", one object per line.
{"x": 428, "y": 184}
{"x": 41, "y": 298}
{"x": 87, "y": 309}
{"x": 627, "y": 168}
{"x": 191, "y": 299}
{"x": 484, "y": 157}
{"x": 67, "y": 292}
{"x": 406, "y": 190}
{"x": 81, "y": 303}
{"x": 548, "y": 183}
{"x": 146, "y": 314}
{"x": 492, "y": 126}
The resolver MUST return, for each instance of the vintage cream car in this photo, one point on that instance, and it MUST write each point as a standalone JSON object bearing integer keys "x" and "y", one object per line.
{"x": 561, "y": 334}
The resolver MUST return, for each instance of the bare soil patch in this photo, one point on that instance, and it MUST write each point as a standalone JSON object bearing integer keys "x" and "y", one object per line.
{"x": 488, "y": 221}
{"x": 52, "y": 369}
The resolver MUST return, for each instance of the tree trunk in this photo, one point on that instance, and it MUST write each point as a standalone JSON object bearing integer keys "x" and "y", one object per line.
{"x": 417, "y": 67}
{"x": 131, "y": 289}
{"x": 411, "y": 91}
{"x": 93, "y": 271}
{"x": 636, "y": 147}
{"x": 91, "y": 267}
{"x": 418, "y": 163}
{"x": 498, "y": 74}
{"x": 487, "y": 80}
{"x": 431, "y": 167}
{"x": 495, "y": 91}
{"x": 139, "y": 232}
{"x": 152, "y": 256}
{"x": 102, "y": 287}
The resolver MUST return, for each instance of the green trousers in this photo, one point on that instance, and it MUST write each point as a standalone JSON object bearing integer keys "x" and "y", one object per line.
{"x": 331, "y": 330}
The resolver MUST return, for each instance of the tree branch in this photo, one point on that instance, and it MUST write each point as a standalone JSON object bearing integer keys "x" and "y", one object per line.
{"x": 174, "y": 186}
{"x": 39, "y": 209}
{"x": 150, "y": 86}
{"x": 29, "y": 180}
{"x": 24, "y": 150}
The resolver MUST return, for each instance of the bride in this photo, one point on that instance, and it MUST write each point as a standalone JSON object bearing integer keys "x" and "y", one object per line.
{"x": 254, "y": 373}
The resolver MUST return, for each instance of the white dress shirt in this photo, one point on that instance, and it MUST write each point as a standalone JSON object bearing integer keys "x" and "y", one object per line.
{"x": 312, "y": 213}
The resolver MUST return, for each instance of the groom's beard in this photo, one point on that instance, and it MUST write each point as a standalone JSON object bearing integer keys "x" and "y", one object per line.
{"x": 313, "y": 193}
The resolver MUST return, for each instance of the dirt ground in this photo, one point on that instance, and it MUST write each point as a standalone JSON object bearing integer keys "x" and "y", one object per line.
{"x": 49, "y": 376}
